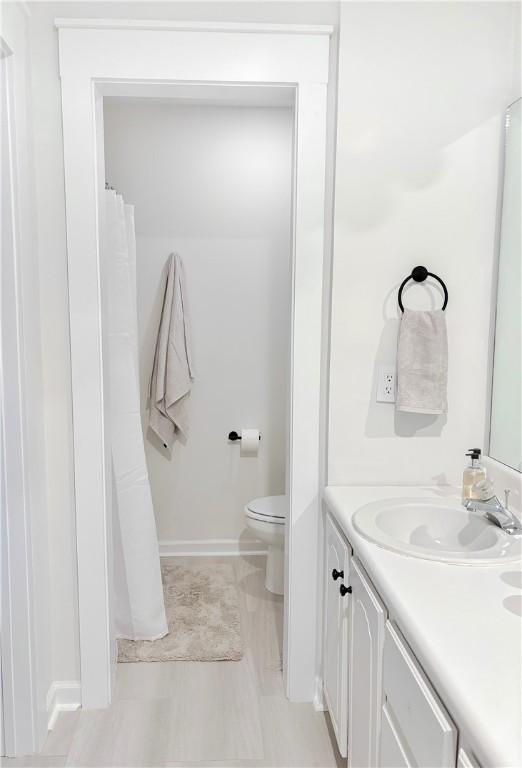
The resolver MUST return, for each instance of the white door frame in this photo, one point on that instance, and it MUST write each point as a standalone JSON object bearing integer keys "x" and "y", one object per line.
{"x": 21, "y": 724}
{"x": 92, "y": 53}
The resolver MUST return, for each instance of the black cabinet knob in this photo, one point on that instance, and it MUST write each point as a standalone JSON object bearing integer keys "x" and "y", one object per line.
{"x": 345, "y": 590}
{"x": 337, "y": 574}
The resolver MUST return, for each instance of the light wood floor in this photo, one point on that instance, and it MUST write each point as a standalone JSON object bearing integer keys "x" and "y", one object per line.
{"x": 202, "y": 713}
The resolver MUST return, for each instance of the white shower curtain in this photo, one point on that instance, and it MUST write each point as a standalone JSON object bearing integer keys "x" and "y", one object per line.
{"x": 138, "y": 594}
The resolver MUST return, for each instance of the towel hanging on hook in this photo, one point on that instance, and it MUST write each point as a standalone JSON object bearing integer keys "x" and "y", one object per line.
{"x": 419, "y": 274}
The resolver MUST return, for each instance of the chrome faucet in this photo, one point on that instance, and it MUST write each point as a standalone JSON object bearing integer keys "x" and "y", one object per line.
{"x": 497, "y": 513}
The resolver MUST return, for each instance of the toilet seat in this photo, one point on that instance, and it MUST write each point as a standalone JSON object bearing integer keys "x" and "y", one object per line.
{"x": 265, "y": 517}
{"x": 268, "y": 509}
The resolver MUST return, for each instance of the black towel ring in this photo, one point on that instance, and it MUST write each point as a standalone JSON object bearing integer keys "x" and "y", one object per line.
{"x": 419, "y": 274}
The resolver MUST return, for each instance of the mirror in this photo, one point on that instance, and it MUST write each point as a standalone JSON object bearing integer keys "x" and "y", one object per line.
{"x": 506, "y": 413}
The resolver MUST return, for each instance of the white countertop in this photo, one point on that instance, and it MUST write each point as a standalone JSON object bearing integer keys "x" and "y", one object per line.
{"x": 463, "y": 623}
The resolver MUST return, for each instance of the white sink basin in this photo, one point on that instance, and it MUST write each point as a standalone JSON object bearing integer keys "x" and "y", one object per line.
{"x": 436, "y": 530}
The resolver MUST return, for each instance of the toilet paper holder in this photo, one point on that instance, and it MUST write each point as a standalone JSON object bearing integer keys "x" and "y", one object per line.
{"x": 235, "y": 436}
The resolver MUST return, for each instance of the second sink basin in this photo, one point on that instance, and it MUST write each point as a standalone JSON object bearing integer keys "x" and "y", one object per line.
{"x": 436, "y": 530}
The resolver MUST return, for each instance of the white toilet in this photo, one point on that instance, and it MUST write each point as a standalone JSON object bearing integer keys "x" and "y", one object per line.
{"x": 266, "y": 518}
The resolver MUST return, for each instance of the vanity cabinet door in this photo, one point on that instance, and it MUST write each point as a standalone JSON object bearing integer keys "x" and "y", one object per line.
{"x": 394, "y": 753}
{"x": 428, "y": 733}
{"x": 337, "y": 561}
{"x": 365, "y": 665}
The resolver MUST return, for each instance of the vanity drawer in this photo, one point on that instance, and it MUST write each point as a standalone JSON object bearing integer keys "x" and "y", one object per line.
{"x": 428, "y": 731}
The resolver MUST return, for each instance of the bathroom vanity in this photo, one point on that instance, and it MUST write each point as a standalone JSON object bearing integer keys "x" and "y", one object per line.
{"x": 422, "y": 661}
{"x": 423, "y": 597}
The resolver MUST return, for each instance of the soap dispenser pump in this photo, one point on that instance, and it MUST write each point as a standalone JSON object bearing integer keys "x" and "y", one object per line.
{"x": 473, "y": 474}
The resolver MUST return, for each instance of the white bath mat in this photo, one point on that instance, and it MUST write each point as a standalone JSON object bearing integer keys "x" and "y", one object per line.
{"x": 202, "y": 608}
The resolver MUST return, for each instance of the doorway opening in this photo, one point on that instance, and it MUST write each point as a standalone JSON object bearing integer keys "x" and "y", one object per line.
{"x": 204, "y": 172}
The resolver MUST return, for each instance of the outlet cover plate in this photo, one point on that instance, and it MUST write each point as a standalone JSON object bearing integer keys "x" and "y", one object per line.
{"x": 386, "y": 379}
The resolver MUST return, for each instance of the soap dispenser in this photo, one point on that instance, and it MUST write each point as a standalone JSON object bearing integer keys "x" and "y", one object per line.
{"x": 473, "y": 474}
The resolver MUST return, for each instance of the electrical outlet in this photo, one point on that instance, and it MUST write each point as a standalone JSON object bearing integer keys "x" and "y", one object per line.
{"x": 386, "y": 384}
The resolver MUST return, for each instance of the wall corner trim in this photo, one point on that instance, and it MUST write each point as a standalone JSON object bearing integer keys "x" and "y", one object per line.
{"x": 62, "y": 696}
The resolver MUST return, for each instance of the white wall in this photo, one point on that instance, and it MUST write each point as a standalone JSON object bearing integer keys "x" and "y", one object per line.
{"x": 414, "y": 78}
{"x": 48, "y": 145}
{"x": 214, "y": 184}
{"x": 416, "y": 165}
{"x": 422, "y": 89}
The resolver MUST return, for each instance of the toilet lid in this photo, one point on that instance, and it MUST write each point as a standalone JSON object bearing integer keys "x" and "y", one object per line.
{"x": 269, "y": 507}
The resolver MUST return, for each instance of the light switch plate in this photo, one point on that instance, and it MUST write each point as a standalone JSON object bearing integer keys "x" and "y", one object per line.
{"x": 386, "y": 378}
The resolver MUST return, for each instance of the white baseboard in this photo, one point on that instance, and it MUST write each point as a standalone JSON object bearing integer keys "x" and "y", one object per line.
{"x": 319, "y": 702}
{"x": 62, "y": 696}
{"x": 192, "y": 548}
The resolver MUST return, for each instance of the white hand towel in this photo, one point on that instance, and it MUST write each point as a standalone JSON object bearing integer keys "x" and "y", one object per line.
{"x": 172, "y": 371}
{"x": 422, "y": 362}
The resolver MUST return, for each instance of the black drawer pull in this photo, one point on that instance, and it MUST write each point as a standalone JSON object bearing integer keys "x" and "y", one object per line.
{"x": 345, "y": 590}
{"x": 337, "y": 574}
